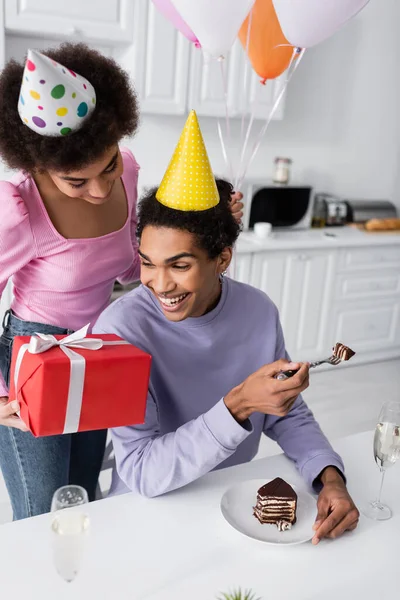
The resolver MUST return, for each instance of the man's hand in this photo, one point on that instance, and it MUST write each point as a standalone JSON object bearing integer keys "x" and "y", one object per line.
{"x": 8, "y": 416}
{"x": 237, "y": 206}
{"x": 337, "y": 512}
{"x": 261, "y": 392}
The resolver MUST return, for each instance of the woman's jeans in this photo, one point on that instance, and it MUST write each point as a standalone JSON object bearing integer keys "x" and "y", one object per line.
{"x": 33, "y": 468}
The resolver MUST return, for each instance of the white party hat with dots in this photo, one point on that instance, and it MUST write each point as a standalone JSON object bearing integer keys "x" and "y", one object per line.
{"x": 189, "y": 183}
{"x": 54, "y": 100}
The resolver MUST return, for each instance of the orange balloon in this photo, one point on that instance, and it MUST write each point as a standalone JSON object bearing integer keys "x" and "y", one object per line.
{"x": 268, "y": 58}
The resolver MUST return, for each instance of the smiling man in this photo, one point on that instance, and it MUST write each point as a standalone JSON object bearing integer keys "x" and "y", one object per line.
{"x": 194, "y": 293}
{"x": 217, "y": 345}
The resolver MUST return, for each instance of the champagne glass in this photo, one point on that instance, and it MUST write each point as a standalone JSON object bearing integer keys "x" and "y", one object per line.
{"x": 386, "y": 452}
{"x": 69, "y": 529}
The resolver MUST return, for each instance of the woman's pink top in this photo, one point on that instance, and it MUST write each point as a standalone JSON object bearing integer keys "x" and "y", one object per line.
{"x": 59, "y": 281}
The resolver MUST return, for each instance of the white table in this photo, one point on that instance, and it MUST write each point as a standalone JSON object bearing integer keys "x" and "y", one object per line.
{"x": 178, "y": 547}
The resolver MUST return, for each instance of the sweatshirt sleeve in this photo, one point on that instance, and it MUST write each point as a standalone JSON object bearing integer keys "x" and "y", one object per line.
{"x": 300, "y": 436}
{"x": 154, "y": 464}
{"x": 17, "y": 246}
{"x": 132, "y": 170}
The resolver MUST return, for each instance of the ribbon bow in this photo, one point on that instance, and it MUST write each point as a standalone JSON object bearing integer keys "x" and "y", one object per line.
{"x": 41, "y": 342}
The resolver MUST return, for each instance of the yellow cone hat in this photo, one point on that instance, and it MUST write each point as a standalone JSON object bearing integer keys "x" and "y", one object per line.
{"x": 189, "y": 183}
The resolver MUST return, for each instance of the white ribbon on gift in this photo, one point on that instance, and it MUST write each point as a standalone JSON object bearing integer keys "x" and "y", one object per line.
{"x": 41, "y": 342}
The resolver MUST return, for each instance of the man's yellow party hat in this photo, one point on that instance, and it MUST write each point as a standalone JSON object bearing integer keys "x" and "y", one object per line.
{"x": 189, "y": 183}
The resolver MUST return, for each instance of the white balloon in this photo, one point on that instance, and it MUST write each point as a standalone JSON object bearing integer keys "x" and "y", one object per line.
{"x": 306, "y": 23}
{"x": 215, "y": 23}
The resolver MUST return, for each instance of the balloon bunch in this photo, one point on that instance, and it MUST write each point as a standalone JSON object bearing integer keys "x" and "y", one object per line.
{"x": 273, "y": 33}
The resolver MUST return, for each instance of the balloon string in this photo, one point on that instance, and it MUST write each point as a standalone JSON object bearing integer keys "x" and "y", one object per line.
{"x": 254, "y": 107}
{"x": 227, "y": 120}
{"x": 223, "y": 147}
{"x": 290, "y": 71}
{"x": 246, "y": 74}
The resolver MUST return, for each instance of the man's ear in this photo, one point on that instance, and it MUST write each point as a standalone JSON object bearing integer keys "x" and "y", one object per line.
{"x": 225, "y": 259}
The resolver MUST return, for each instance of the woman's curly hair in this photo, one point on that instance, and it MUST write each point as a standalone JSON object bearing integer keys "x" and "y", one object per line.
{"x": 214, "y": 229}
{"x": 116, "y": 114}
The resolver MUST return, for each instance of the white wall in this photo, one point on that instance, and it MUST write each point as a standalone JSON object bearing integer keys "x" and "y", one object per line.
{"x": 341, "y": 125}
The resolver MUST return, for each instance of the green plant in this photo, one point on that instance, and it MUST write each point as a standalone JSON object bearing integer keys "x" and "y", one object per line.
{"x": 239, "y": 595}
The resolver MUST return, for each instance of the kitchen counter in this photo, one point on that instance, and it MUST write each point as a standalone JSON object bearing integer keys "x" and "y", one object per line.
{"x": 330, "y": 237}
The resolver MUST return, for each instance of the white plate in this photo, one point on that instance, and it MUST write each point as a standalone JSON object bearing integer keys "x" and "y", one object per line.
{"x": 237, "y": 508}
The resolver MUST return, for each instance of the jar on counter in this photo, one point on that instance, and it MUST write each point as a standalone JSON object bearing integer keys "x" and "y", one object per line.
{"x": 320, "y": 213}
{"x": 282, "y": 170}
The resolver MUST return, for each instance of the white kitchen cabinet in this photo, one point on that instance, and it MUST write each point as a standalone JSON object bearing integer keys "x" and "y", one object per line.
{"x": 17, "y": 46}
{"x": 349, "y": 293}
{"x": 380, "y": 257}
{"x": 167, "y": 69}
{"x": 241, "y": 267}
{"x": 211, "y": 79}
{"x": 90, "y": 20}
{"x": 158, "y": 61}
{"x": 365, "y": 312}
{"x": 268, "y": 272}
{"x": 300, "y": 284}
{"x": 368, "y": 284}
{"x": 369, "y": 327}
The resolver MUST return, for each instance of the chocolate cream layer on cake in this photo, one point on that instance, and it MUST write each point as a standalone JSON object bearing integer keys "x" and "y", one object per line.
{"x": 343, "y": 352}
{"x": 276, "y": 504}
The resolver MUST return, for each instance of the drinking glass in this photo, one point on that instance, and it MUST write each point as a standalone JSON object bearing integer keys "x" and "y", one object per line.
{"x": 386, "y": 452}
{"x": 69, "y": 529}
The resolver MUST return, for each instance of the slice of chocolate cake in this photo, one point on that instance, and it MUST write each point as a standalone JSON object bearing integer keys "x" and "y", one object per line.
{"x": 276, "y": 503}
{"x": 343, "y": 352}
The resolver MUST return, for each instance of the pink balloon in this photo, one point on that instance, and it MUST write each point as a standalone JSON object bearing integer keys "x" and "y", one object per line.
{"x": 169, "y": 11}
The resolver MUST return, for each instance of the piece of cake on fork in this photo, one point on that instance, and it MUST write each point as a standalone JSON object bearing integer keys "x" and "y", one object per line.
{"x": 276, "y": 504}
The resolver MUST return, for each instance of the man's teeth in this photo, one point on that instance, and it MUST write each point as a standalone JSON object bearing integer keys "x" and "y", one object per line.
{"x": 172, "y": 301}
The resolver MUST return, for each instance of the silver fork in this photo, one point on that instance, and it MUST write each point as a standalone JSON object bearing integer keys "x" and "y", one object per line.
{"x": 332, "y": 360}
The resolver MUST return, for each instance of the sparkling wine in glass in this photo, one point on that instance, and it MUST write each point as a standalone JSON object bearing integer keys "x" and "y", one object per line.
{"x": 69, "y": 530}
{"x": 386, "y": 452}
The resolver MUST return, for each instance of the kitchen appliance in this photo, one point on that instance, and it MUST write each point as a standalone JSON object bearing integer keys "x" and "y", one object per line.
{"x": 288, "y": 206}
{"x": 360, "y": 211}
{"x": 331, "y": 209}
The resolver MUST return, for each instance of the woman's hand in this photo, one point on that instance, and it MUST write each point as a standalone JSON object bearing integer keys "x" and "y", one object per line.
{"x": 237, "y": 206}
{"x": 8, "y": 416}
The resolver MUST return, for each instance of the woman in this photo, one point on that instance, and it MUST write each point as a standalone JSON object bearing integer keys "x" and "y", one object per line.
{"x": 67, "y": 231}
{"x": 66, "y": 234}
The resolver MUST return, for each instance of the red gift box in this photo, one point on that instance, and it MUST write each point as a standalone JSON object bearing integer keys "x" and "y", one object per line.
{"x": 80, "y": 382}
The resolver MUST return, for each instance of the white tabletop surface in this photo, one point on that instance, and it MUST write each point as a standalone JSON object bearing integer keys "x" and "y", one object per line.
{"x": 179, "y": 547}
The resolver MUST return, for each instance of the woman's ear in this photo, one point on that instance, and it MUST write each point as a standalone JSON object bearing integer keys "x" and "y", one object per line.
{"x": 225, "y": 259}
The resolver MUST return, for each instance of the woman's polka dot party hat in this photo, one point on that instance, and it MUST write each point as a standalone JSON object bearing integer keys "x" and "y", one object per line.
{"x": 54, "y": 100}
{"x": 189, "y": 183}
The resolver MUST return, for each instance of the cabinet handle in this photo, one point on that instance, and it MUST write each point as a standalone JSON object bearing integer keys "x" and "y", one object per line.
{"x": 302, "y": 257}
